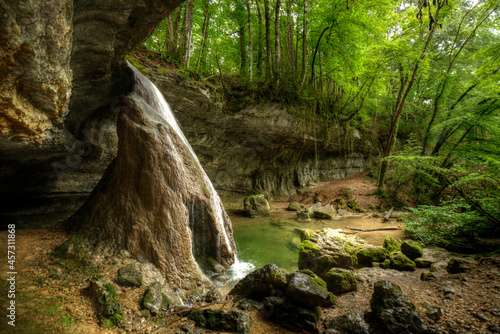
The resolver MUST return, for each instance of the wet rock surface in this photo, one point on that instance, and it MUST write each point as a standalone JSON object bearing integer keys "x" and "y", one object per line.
{"x": 307, "y": 288}
{"x": 256, "y": 206}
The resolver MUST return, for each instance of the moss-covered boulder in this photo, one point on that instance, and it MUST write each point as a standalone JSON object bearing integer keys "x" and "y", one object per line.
{"x": 261, "y": 283}
{"x": 391, "y": 244}
{"x": 103, "y": 293}
{"x": 412, "y": 249}
{"x": 286, "y": 311}
{"x": 324, "y": 212}
{"x": 222, "y": 320}
{"x": 307, "y": 288}
{"x": 399, "y": 261}
{"x": 386, "y": 264}
{"x": 327, "y": 249}
{"x": 306, "y": 234}
{"x": 394, "y": 311}
{"x": 367, "y": 255}
{"x": 340, "y": 280}
{"x": 294, "y": 206}
{"x": 256, "y": 206}
{"x": 153, "y": 298}
{"x": 129, "y": 275}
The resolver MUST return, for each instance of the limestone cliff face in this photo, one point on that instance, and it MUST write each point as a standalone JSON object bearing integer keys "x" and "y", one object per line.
{"x": 61, "y": 68}
{"x": 35, "y": 76}
{"x": 262, "y": 148}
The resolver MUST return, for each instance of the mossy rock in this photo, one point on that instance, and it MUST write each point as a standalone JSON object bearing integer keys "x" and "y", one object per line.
{"x": 256, "y": 206}
{"x": 294, "y": 206}
{"x": 103, "y": 293}
{"x": 303, "y": 214}
{"x": 305, "y": 287}
{"x": 386, "y": 264}
{"x": 324, "y": 212}
{"x": 340, "y": 280}
{"x": 129, "y": 275}
{"x": 306, "y": 234}
{"x": 391, "y": 244}
{"x": 260, "y": 283}
{"x": 412, "y": 249}
{"x": 73, "y": 255}
{"x": 153, "y": 298}
{"x": 399, "y": 261}
{"x": 422, "y": 262}
{"x": 368, "y": 255}
{"x": 427, "y": 276}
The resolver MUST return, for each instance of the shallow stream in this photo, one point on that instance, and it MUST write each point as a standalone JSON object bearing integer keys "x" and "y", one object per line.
{"x": 276, "y": 238}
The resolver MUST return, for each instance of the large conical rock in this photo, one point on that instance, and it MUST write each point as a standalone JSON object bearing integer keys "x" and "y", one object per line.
{"x": 154, "y": 201}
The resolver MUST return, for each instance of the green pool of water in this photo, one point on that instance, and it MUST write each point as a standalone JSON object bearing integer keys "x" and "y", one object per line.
{"x": 276, "y": 239}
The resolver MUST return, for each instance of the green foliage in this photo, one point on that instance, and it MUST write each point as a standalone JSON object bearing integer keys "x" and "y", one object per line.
{"x": 446, "y": 222}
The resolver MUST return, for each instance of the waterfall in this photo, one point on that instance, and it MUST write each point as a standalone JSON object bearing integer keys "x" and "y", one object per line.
{"x": 152, "y": 95}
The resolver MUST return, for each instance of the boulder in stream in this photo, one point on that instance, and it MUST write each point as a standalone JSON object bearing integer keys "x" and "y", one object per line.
{"x": 256, "y": 206}
{"x": 324, "y": 212}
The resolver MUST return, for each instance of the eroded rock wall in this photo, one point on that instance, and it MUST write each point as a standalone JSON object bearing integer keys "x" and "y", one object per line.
{"x": 262, "y": 148}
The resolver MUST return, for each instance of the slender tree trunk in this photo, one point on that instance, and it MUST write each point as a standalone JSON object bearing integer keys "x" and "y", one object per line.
{"x": 277, "y": 37}
{"x": 243, "y": 57}
{"x": 401, "y": 103}
{"x": 268, "y": 39}
{"x": 250, "y": 42}
{"x": 260, "y": 39}
{"x": 289, "y": 38}
{"x": 204, "y": 35}
{"x": 169, "y": 37}
{"x": 187, "y": 32}
{"x": 313, "y": 78}
{"x": 304, "y": 48}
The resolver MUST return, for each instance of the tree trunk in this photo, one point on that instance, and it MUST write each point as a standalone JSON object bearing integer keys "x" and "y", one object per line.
{"x": 260, "y": 39}
{"x": 204, "y": 35}
{"x": 401, "y": 103}
{"x": 243, "y": 63}
{"x": 304, "y": 48}
{"x": 169, "y": 37}
{"x": 289, "y": 38}
{"x": 186, "y": 33}
{"x": 277, "y": 38}
{"x": 268, "y": 39}
{"x": 315, "y": 53}
{"x": 250, "y": 42}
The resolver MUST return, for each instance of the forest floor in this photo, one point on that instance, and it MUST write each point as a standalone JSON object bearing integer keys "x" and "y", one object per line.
{"x": 49, "y": 300}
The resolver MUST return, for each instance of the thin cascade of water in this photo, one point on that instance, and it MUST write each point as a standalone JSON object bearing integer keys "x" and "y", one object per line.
{"x": 152, "y": 95}
{"x": 240, "y": 269}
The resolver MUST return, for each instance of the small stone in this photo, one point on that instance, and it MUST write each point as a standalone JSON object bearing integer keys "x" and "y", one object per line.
{"x": 449, "y": 291}
{"x": 129, "y": 275}
{"x": 152, "y": 299}
{"x": 432, "y": 312}
{"x": 481, "y": 316}
{"x": 303, "y": 214}
{"x": 352, "y": 323}
{"x": 456, "y": 265}
{"x": 294, "y": 206}
{"x": 421, "y": 262}
{"x": 427, "y": 276}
